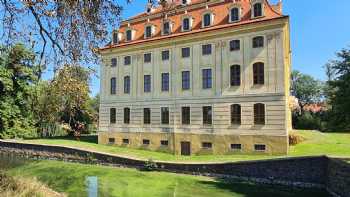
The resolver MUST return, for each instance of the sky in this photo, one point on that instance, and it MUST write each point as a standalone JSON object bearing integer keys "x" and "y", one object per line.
{"x": 319, "y": 29}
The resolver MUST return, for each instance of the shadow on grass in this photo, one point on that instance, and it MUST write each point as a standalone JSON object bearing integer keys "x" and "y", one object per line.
{"x": 258, "y": 190}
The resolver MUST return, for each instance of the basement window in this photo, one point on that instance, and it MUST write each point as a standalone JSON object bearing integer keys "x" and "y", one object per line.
{"x": 145, "y": 142}
{"x": 111, "y": 140}
{"x": 259, "y": 147}
{"x": 164, "y": 142}
{"x": 236, "y": 147}
{"x": 125, "y": 141}
{"x": 207, "y": 145}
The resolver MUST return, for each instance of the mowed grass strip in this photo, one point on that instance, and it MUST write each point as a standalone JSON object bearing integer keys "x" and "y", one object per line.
{"x": 70, "y": 178}
{"x": 316, "y": 143}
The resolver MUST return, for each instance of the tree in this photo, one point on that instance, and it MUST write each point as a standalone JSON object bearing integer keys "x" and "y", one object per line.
{"x": 338, "y": 91}
{"x": 71, "y": 87}
{"x": 67, "y": 31}
{"x": 305, "y": 88}
{"x": 17, "y": 81}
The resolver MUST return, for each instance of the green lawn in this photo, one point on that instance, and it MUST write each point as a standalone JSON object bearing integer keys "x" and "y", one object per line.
{"x": 70, "y": 178}
{"x": 316, "y": 143}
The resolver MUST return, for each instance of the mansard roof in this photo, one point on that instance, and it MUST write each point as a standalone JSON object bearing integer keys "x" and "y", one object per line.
{"x": 175, "y": 13}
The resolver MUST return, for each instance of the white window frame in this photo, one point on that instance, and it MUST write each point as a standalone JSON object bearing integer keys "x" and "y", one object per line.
{"x": 211, "y": 18}
{"x": 239, "y": 13}
{"x": 170, "y": 27}
{"x": 190, "y": 25}
{"x": 152, "y": 31}
{"x": 132, "y": 34}
{"x": 119, "y": 37}
{"x": 253, "y": 2}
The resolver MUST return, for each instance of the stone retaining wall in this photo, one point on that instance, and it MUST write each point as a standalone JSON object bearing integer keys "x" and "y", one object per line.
{"x": 315, "y": 171}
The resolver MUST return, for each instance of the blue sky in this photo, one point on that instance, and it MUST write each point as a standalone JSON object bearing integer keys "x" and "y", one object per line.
{"x": 319, "y": 29}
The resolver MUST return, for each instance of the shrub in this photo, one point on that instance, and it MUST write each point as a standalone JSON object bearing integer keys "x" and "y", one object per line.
{"x": 295, "y": 138}
{"x": 150, "y": 165}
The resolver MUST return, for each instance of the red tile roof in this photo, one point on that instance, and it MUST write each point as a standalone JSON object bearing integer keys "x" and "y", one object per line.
{"x": 219, "y": 9}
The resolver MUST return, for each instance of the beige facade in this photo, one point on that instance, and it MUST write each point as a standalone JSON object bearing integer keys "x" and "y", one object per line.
{"x": 223, "y": 136}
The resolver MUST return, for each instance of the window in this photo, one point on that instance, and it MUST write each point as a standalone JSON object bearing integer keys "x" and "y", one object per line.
{"x": 165, "y": 115}
{"x": 207, "y": 145}
{"x": 207, "y": 115}
{"x": 234, "y": 15}
{"x": 164, "y": 142}
{"x": 185, "y": 115}
{"x": 112, "y": 115}
{"x": 146, "y": 116}
{"x": 186, "y": 80}
{"x": 186, "y": 24}
{"x": 257, "y": 10}
{"x": 235, "y": 75}
{"x": 235, "y": 45}
{"x": 258, "y": 42}
{"x": 125, "y": 141}
{"x": 113, "y": 85}
{"x": 259, "y": 114}
{"x": 147, "y": 57}
{"x": 165, "y": 82}
{"x": 128, "y": 35}
{"x": 145, "y": 142}
{"x": 259, "y": 147}
{"x": 206, "y": 20}
{"x": 148, "y": 32}
{"x": 115, "y": 38}
{"x": 165, "y": 55}
{"x": 111, "y": 140}
{"x": 127, "y": 60}
{"x": 236, "y": 146}
{"x": 147, "y": 83}
{"x": 185, "y": 52}
{"x": 235, "y": 114}
{"x": 127, "y": 84}
{"x": 113, "y": 62}
{"x": 126, "y": 115}
{"x": 258, "y": 73}
{"x": 206, "y": 49}
{"x": 166, "y": 28}
{"x": 206, "y": 78}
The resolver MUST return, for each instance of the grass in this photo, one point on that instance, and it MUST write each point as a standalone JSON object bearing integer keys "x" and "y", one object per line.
{"x": 316, "y": 143}
{"x": 70, "y": 178}
{"x": 16, "y": 186}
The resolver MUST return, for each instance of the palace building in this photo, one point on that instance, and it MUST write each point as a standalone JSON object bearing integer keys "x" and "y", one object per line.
{"x": 198, "y": 77}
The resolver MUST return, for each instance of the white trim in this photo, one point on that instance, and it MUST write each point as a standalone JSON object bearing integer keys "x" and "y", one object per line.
{"x": 239, "y": 13}
{"x": 190, "y": 18}
{"x": 253, "y": 2}
{"x": 211, "y": 18}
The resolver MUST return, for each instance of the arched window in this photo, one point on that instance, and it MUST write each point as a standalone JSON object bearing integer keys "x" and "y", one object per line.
{"x": 186, "y": 24}
{"x": 166, "y": 28}
{"x": 257, "y": 10}
{"x": 259, "y": 114}
{"x": 235, "y": 75}
{"x": 235, "y": 114}
{"x": 258, "y": 42}
{"x": 207, "y": 19}
{"x": 258, "y": 73}
{"x": 126, "y": 115}
{"x": 128, "y": 36}
{"x": 127, "y": 84}
{"x": 234, "y": 15}
{"x": 115, "y": 37}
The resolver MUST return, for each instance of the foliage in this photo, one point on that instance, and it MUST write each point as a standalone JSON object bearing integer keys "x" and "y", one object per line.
{"x": 150, "y": 165}
{"x": 310, "y": 121}
{"x": 295, "y": 138}
{"x": 66, "y": 31}
{"x": 17, "y": 82}
{"x": 305, "y": 88}
{"x": 338, "y": 91}
{"x": 70, "y": 88}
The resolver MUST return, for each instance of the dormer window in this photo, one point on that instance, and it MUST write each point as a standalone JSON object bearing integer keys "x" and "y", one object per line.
{"x": 186, "y": 23}
{"x": 207, "y": 19}
{"x": 115, "y": 37}
{"x": 166, "y": 28}
{"x": 128, "y": 36}
{"x": 257, "y": 10}
{"x": 149, "y": 29}
{"x": 234, "y": 14}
